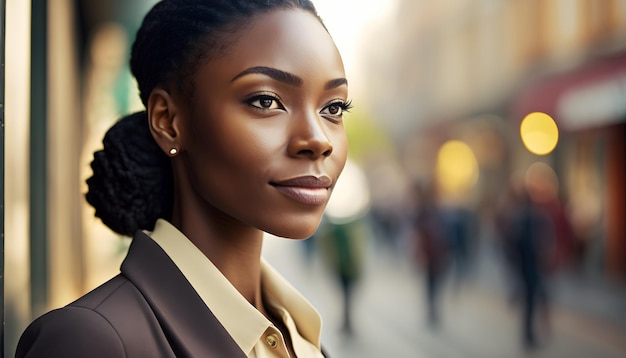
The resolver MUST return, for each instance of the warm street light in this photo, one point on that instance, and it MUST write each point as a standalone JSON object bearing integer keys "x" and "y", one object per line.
{"x": 539, "y": 133}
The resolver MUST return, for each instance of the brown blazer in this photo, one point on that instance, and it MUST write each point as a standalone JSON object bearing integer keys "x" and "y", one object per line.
{"x": 148, "y": 310}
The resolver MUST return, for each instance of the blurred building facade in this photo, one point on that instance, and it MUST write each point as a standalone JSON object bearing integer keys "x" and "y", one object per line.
{"x": 471, "y": 70}
{"x": 67, "y": 81}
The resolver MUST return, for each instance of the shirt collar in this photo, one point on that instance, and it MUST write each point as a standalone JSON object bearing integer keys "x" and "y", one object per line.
{"x": 240, "y": 319}
{"x": 281, "y": 295}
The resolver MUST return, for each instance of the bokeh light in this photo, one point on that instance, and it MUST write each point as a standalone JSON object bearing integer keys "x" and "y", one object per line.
{"x": 539, "y": 133}
{"x": 457, "y": 167}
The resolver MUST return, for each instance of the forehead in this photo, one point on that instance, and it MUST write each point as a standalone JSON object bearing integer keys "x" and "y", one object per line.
{"x": 291, "y": 40}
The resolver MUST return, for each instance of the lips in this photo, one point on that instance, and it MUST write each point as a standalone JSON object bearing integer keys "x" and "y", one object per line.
{"x": 308, "y": 189}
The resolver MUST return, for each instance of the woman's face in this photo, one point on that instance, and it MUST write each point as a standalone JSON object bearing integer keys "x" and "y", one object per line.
{"x": 263, "y": 139}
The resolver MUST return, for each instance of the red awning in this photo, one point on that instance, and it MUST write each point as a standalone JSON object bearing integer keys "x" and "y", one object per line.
{"x": 589, "y": 96}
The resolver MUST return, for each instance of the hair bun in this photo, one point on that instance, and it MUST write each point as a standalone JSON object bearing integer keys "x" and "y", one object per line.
{"x": 132, "y": 178}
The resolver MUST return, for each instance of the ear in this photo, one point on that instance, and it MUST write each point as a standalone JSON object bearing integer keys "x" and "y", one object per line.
{"x": 163, "y": 120}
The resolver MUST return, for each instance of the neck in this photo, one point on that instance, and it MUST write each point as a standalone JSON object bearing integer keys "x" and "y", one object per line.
{"x": 237, "y": 256}
{"x": 233, "y": 247}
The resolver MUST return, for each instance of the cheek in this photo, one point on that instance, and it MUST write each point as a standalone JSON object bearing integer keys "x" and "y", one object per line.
{"x": 232, "y": 150}
{"x": 255, "y": 146}
{"x": 227, "y": 135}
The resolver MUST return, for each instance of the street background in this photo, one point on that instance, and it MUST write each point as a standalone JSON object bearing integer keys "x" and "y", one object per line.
{"x": 481, "y": 213}
{"x": 479, "y": 321}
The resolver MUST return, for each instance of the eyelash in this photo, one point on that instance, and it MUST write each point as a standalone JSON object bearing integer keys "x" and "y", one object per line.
{"x": 264, "y": 96}
{"x": 345, "y": 106}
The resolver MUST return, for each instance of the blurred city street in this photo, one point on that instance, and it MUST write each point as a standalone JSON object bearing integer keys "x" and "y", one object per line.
{"x": 477, "y": 318}
{"x": 481, "y": 209}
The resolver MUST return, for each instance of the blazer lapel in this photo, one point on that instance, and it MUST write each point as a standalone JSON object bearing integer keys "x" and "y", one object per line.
{"x": 190, "y": 327}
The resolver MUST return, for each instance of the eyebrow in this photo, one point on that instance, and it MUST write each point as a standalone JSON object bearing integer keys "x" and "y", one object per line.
{"x": 286, "y": 77}
{"x": 335, "y": 83}
{"x": 274, "y": 73}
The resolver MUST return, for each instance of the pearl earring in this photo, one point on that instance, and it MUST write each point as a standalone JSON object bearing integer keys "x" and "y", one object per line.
{"x": 173, "y": 151}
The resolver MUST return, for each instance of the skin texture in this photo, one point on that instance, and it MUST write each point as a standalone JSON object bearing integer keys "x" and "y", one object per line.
{"x": 235, "y": 142}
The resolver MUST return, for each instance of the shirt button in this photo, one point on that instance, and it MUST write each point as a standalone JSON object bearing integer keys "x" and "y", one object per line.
{"x": 272, "y": 340}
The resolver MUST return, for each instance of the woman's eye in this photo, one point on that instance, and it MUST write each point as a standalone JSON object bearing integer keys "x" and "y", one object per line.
{"x": 336, "y": 109}
{"x": 264, "y": 102}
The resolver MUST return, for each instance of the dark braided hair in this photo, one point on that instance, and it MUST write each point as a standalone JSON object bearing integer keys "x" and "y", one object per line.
{"x": 131, "y": 186}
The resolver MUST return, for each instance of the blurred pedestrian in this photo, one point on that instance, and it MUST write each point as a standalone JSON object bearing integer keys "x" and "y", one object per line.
{"x": 542, "y": 184}
{"x": 242, "y": 134}
{"x": 343, "y": 246}
{"x": 459, "y": 226}
{"x": 431, "y": 250}
{"x": 527, "y": 238}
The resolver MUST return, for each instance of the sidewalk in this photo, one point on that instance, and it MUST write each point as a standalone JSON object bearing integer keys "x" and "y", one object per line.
{"x": 478, "y": 320}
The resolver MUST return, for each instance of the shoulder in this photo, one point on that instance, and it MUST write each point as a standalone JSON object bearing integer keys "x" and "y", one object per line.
{"x": 110, "y": 321}
{"x": 71, "y": 332}
{"x": 115, "y": 288}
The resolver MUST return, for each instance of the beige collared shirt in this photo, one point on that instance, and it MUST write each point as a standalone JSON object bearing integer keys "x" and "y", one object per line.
{"x": 253, "y": 332}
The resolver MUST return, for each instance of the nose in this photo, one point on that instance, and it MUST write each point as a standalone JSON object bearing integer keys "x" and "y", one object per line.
{"x": 308, "y": 139}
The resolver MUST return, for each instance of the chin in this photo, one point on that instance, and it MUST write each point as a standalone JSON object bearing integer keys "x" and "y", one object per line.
{"x": 296, "y": 229}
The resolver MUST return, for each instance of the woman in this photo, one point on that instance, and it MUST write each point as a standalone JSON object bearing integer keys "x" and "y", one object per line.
{"x": 242, "y": 134}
